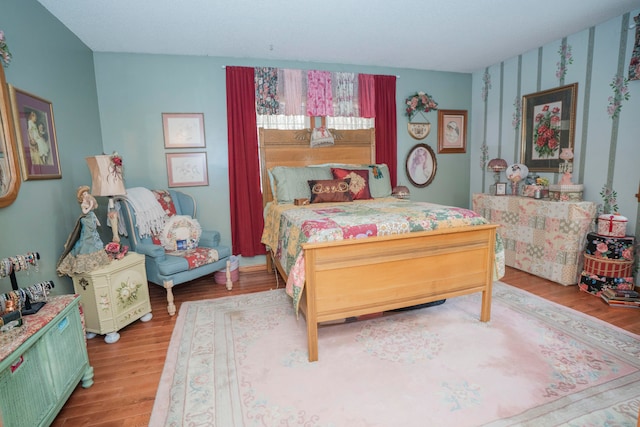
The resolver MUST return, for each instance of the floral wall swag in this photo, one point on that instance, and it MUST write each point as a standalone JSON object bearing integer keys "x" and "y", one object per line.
{"x": 620, "y": 93}
{"x": 5, "y": 54}
{"x": 419, "y": 102}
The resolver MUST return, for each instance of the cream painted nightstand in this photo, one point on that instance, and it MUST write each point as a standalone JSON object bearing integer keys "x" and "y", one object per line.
{"x": 114, "y": 296}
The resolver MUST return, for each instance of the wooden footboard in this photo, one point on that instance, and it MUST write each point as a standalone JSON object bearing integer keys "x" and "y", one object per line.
{"x": 362, "y": 276}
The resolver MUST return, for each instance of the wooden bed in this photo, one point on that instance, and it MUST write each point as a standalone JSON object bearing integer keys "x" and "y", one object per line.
{"x": 362, "y": 276}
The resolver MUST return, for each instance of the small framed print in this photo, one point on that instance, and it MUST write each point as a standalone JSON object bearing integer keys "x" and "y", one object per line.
{"x": 452, "y": 131}
{"x": 183, "y": 130}
{"x": 187, "y": 169}
{"x": 501, "y": 188}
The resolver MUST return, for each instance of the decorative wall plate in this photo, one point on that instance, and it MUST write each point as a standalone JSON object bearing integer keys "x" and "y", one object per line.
{"x": 419, "y": 130}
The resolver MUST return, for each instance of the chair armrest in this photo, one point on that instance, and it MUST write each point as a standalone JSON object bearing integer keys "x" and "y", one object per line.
{"x": 149, "y": 249}
{"x": 209, "y": 239}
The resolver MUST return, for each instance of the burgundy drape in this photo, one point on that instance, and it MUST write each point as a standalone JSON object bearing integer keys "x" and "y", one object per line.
{"x": 245, "y": 197}
{"x": 367, "y": 95}
{"x": 386, "y": 125}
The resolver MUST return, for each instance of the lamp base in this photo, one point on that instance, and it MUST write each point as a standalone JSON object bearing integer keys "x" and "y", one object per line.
{"x": 112, "y": 219}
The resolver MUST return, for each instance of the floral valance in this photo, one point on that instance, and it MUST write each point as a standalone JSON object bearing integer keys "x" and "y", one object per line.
{"x": 283, "y": 91}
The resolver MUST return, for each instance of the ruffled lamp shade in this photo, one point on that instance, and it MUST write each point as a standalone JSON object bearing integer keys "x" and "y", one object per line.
{"x": 107, "y": 180}
{"x": 496, "y": 166}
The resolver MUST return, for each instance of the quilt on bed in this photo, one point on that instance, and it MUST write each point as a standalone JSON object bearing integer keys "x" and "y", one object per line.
{"x": 288, "y": 227}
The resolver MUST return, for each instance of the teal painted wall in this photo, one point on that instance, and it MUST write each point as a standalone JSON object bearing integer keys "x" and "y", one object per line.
{"x": 51, "y": 62}
{"x": 104, "y": 102}
{"x": 134, "y": 91}
{"x": 606, "y": 150}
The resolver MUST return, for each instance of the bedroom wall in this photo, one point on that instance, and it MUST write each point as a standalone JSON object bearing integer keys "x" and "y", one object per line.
{"x": 51, "y": 63}
{"x": 134, "y": 90}
{"x": 597, "y": 53}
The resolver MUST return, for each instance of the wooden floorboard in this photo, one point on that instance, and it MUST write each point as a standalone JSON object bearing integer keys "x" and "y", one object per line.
{"x": 127, "y": 373}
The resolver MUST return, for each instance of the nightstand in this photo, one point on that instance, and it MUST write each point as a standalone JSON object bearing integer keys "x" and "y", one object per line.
{"x": 114, "y": 296}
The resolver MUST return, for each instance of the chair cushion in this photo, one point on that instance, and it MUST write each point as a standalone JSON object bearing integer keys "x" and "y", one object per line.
{"x": 180, "y": 232}
{"x": 174, "y": 263}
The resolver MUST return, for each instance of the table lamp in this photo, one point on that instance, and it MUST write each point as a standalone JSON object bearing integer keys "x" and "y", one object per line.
{"x": 566, "y": 168}
{"x": 496, "y": 166}
{"x": 401, "y": 192}
{"x": 107, "y": 180}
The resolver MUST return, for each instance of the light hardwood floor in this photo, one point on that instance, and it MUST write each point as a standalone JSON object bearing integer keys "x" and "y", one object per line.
{"x": 127, "y": 372}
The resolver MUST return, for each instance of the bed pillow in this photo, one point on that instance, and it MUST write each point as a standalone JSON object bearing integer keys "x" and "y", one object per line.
{"x": 180, "y": 233}
{"x": 359, "y": 185}
{"x": 292, "y": 182}
{"x": 329, "y": 190}
{"x": 379, "y": 177}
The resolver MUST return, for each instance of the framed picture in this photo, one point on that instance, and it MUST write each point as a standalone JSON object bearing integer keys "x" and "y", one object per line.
{"x": 452, "y": 131}
{"x": 187, "y": 169}
{"x": 9, "y": 168}
{"x": 501, "y": 188}
{"x": 421, "y": 165}
{"x": 36, "y": 135}
{"x": 548, "y": 126}
{"x": 183, "y": 130}
{"x": 419, "y": 130}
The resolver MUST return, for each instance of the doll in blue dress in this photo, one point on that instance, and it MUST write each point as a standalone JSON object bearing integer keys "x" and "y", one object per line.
{"x": 84, "y": 250}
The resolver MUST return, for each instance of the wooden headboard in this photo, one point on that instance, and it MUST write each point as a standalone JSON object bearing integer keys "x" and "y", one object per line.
{"x": 291, "y": 148}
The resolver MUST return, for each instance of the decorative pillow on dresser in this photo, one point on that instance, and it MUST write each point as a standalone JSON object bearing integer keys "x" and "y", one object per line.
{"x": 329, "y": 190}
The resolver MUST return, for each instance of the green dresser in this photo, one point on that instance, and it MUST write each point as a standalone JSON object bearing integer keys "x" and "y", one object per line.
{"x": 41, "y": 363}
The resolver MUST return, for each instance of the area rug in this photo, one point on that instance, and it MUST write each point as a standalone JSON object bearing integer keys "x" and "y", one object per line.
{"x": 242, "y": 361}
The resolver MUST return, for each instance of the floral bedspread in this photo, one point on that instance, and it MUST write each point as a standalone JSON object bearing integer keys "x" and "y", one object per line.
{"x": 288, "y": 227}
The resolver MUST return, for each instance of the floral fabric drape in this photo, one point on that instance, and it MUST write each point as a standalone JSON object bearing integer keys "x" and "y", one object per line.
{"x": 291, "y": 91}
{"x": 319, "y": 93}
{"x": 345, "y": 92}
{"x": 266, "y": 82}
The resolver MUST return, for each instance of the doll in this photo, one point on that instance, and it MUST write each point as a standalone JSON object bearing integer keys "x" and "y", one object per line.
{"x": 84, "y": 250}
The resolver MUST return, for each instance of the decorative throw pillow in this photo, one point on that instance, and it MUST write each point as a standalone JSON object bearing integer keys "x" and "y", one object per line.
{"x": 359, "y": 185}
{"x": 180, "y": 233}
{"x": 329, "y": 190}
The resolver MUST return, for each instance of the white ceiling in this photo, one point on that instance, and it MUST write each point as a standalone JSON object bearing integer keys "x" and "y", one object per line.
{"x": 446, "y": 35}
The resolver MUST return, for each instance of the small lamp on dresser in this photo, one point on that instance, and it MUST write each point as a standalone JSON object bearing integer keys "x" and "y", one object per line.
{"x": 497, "y": 165}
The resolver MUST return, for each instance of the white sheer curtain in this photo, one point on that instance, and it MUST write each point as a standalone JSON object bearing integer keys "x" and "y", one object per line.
{"x": 350, "y": 123}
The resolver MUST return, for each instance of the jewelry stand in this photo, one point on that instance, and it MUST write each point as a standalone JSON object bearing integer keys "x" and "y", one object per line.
{"x": 10, "y": 266}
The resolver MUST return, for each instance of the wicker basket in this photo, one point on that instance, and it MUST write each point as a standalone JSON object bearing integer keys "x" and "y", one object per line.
{"x": 607, "y": 267}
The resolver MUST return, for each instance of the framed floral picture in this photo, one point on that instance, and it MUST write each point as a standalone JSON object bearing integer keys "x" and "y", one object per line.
{"x": 183, "y": 130}
{"x": 187, "y": 169}
{"x": 36, "y": 135}
{"x": 421, "y": 165}
{"x": 548, "y": 126}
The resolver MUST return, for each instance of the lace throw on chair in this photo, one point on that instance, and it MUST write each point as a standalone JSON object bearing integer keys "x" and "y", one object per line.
{"x": 150, "y": 216}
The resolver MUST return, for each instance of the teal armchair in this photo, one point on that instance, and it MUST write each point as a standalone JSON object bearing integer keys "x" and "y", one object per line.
{"x": 170, "y": 270}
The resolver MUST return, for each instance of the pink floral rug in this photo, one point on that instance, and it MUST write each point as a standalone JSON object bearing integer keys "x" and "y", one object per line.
{"x": 242, "y": 361}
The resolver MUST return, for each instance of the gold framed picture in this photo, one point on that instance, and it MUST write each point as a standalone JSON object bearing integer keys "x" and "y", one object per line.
{"x": 36, "y": 135}
{"x": 452, "y": 131}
